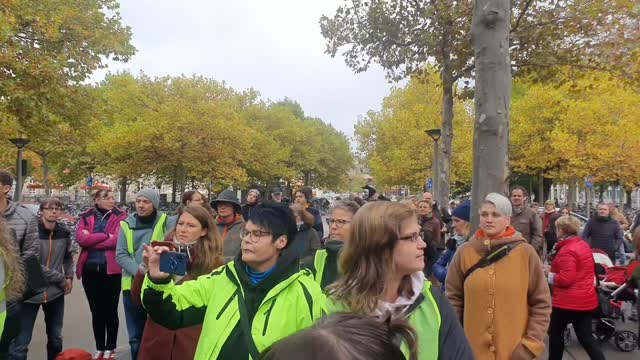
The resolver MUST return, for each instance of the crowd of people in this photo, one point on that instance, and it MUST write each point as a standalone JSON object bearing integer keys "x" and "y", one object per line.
{"x": 391, "y": 280}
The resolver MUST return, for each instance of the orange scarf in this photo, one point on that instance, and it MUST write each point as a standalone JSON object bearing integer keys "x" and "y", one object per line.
{"x": 507, "y": 233}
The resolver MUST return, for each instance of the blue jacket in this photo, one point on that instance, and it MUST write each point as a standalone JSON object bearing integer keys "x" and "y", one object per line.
{"x": 442, "y": 265}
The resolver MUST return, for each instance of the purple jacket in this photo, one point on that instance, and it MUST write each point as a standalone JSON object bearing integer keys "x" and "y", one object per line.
{"x": 99, "y": 241}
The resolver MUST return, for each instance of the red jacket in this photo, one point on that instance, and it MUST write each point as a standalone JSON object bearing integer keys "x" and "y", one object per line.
{"x": 99, "y": 241}
{"x": 573, "y": 282}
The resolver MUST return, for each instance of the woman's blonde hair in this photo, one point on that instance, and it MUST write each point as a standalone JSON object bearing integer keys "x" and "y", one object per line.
{"x": 299, "y": 210}
{"x": 568, "y": 224}
{"x": 14, "y": 285}
{"x": 410, "y": 204}
{"x": 367, "y": 259}
{"x": 209, "y": 248}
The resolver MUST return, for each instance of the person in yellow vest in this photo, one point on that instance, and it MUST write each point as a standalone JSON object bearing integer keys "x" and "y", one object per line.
{"x": 382, "y": 277}
{"x": 12, "y": 281}
{"x": 145, "y": 225}
{"x": 325, "y": 261}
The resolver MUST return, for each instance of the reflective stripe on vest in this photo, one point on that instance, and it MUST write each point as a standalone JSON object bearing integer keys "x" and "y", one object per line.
{"x": 157, "y": 235}
{"x": 3, "y": 310}
{"x": 319, "y": 262}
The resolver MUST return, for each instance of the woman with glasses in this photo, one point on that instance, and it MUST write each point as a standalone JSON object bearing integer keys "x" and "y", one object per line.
{"x": 497, "y": 287}
{"x": 246, "y": 305}
{"x": 383, "y": 277}
{"x": 325, "y": 260}
{"x": 97, "y": 235}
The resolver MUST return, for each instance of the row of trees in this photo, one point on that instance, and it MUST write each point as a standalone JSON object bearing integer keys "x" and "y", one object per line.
{"x": 536, "y": 38}
{"x": 185, "y": 129}
{"x": 587, "y": 127}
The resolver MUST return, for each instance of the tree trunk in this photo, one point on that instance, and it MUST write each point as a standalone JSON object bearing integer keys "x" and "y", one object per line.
{"x": 490, "y": 38}
{"x": 123, "y": 190}
{"x": 444, "y": 158}
{"x": 540, "y": 194}
{"x": 571, "y": 196}
{"x": 45, "y": 173}
{"x": 307, "y": 178}
{"x": 627, "y": 202}
{"x": 174, "y": 185}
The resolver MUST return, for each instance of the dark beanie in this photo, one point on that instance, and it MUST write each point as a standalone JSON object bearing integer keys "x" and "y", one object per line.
{"x": 463, "y": 211}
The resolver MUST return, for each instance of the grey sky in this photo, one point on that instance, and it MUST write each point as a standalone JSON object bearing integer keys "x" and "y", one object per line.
{"x": 274, "y": 46}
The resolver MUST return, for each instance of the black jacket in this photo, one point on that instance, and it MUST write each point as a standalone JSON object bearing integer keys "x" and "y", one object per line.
{"x": 604, "y": 234}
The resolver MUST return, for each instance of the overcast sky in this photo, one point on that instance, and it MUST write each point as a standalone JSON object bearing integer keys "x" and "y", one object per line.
{"x": 274, "y": 46}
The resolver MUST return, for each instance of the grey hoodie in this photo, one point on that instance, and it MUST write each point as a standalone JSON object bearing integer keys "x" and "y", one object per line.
{"x": 141, "y": 235}
{"x": 25, "y": 224}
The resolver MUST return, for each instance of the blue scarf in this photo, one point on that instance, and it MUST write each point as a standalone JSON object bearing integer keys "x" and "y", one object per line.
{"x": 257, "y": 277}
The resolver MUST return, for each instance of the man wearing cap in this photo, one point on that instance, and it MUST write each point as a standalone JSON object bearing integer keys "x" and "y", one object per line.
{"x": 526, "y": 220}
{"x": 230, "y": 222}
{"x": 147, "y": 224}
{"x": 276, "y": 195}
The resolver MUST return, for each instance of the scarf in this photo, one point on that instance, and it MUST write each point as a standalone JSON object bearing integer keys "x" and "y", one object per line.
{"x": 507, "y": 233}
{"x": 257, "y": 277}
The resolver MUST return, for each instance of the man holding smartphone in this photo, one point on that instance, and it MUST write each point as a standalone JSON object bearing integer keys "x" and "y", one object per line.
{"x": 147, "y": 224}
{"x": 248, "y": 304}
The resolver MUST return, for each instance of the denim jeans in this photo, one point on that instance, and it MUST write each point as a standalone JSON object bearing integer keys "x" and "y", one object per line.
{"x": 53, "y": 318}
{"x": 136, "y": 317}
{"x": 11, "y": 328}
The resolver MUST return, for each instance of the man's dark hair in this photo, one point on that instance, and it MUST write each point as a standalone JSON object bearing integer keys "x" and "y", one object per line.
{"x": 51, "y": 201}
{"x": 6, "y": 178}
{"x": 307, "y": 192}
{"x": 276, "y": 218}
{"x": 525, "y": 194}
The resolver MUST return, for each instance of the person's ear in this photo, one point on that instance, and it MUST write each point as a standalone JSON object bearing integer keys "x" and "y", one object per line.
{"x": 281, "y": 242}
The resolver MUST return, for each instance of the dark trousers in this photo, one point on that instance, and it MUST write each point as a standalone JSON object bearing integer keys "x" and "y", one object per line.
{"x": 53, "y": 318}
{"x": 103, "y": 295}
{"x": 11, "y": 328}
{"x": 581, "y": 321}
{"x": 136, "y": 317}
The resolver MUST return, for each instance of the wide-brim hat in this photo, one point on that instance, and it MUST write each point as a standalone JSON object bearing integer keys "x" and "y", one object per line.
{"x": 227, "y": 196}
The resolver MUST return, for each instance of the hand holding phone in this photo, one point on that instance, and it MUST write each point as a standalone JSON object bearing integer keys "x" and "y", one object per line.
{"x": 174, "y": 263}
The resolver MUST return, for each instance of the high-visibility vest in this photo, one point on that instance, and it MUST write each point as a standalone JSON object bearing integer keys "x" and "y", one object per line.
{"x": 3, "y": 310}
{"x": 157, "y": 235}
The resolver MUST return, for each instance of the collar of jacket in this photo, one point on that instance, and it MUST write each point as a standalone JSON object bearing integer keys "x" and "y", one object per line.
{"x": 11, "y": 207}
{"x": 234, "y": 219}
{"x": 286, "y": 266}
{"x": 59, "y": 231}
{"x": 567, "y": 241}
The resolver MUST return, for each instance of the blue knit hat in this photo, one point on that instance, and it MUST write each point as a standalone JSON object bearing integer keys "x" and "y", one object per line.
{"x": 463, "y": 211}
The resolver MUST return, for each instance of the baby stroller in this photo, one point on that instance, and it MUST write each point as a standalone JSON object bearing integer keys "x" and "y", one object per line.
{"x": 613, "y": 292}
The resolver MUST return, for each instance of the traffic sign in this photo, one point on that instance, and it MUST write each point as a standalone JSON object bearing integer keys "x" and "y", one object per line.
{"x": 429, "y": 184}
{"x": 588, "y": 183}
{"x": 90, "y": 181}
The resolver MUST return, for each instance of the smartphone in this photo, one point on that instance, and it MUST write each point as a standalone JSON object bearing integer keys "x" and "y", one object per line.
{"x": 168, "y": 244}
{"x": 173, "y": 263}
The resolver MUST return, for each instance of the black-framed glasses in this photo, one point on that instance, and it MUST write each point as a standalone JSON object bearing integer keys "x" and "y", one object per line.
{"x": 413, "y": 237}
{"x": 339, "y": 222}
{"x": 253, "y": 234}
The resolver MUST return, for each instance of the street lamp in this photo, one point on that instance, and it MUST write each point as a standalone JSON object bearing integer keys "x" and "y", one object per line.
{"x": 20, "y": 143}
{"x": 435, "y": 135}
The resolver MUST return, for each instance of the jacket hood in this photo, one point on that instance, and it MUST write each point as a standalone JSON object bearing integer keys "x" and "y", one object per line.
{"x": 333, "y": 246}
{"x": 11, "y": 207}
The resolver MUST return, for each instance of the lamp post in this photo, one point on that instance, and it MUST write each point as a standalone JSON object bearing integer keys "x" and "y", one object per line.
{"x": 20, "y": 143}
{"x": 435, "y": 134}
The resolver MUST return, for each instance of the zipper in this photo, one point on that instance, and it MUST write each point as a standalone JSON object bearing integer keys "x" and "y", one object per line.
{"x": 225, "y": 306}
{"x": 49, "y": 260}
{"x": 268, "y": 315}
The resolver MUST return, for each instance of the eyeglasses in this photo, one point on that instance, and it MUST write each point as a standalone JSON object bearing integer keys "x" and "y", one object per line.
{"x": 339, "y": 222}
{"x": 413, "y": 237}
{"x": 254, "y": 235}
{"x": 52, "y": 209}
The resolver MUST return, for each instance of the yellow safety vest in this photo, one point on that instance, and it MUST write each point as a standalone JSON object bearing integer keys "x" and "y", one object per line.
{"x": 157, "y": 235}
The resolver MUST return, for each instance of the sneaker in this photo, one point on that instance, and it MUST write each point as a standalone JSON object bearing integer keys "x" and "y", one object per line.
{"x": 99, "y": 355}
{"x": 109, "y": 355}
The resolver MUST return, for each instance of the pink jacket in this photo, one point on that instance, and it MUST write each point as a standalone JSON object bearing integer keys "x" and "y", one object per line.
{"x": 99, "y": 241}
